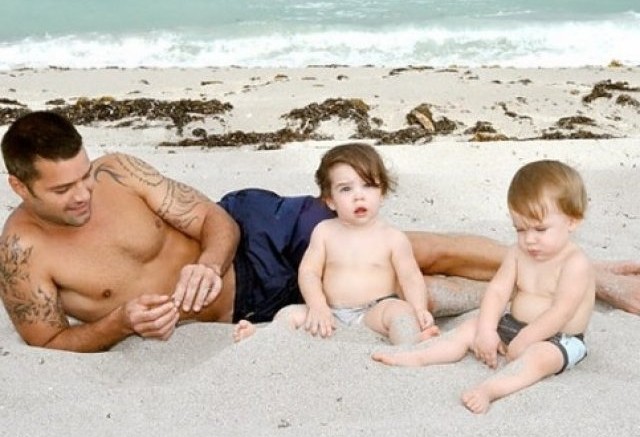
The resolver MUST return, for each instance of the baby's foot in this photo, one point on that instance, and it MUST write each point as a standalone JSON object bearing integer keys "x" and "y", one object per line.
{"x": 242, "y": 330}
{"x": 427, "y": 333}
{"x": 476, "y": 400}
{"x": 383, "y": 358}
{"x": 407, "y": 359}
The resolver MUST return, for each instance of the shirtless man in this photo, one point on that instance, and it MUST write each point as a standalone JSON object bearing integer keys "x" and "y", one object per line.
{"x": 141, "y": 251}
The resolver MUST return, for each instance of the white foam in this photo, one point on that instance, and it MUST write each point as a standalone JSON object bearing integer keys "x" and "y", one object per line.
{"x": 536, "y": 45}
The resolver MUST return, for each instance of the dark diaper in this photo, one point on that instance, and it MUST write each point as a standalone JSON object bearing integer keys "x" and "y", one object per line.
{"x": 572, "y": 347}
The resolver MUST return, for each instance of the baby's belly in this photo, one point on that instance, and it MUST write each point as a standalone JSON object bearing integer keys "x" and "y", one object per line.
{"x": 352, "y": 289}
{"x": 526, "y": 307}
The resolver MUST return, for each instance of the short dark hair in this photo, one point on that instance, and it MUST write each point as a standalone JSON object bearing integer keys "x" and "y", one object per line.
{"x": 363, "y": 158}
{"x": 40, "y": 134}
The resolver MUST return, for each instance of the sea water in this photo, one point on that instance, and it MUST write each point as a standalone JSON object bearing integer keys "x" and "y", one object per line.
{"x": 297, "y": 33}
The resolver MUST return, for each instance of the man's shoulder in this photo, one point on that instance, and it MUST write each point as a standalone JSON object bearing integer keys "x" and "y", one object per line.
{"x": 21, "y": 233}
{"x": 110, "y": 160}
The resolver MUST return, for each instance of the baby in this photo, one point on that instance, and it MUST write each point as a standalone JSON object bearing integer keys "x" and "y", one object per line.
{"x": 548, "y": 280}
{"x": 357, "y": 268}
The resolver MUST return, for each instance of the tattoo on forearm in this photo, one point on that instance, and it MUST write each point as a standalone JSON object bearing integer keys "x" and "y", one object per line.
{"x": 25, "y": 302}
{"x": 179, "y": 201}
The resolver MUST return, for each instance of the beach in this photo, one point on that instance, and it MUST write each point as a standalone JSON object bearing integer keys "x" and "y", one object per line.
{"x": 454, "y": 138}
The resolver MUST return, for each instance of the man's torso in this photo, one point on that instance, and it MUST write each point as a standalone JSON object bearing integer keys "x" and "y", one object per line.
{"x": 124, "y": 251}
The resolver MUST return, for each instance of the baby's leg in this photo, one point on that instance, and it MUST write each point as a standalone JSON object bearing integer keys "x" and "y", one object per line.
{"x": 451, "y": 347}
{"x": 396, "y": 319}
{"x": 293, "y": 315}
{"x": 537, "y": 362}
{"x": 242, "y": 330}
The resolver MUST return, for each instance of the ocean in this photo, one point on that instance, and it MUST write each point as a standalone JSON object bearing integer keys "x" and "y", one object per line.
{"x": 298, "y": 33}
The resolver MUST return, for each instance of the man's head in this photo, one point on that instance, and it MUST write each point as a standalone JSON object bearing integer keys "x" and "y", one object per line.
{"x": 538, "y": 183}
{"x": 363, "y": 158}
{"x": 48, "y": 168}
{"x": 38, "y": 135}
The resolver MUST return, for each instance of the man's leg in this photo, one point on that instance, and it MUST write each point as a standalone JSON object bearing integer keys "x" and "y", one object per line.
{"x": 468, "y": 261}
{"x": 620, "y": 290}
{"x": 469, "y": 256}
{"x": 477, "y": 258}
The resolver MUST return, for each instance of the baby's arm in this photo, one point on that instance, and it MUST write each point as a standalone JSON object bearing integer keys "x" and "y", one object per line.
{"x": 575, "y": 280}
{"x": 494, "y": 302}
{"x": 410, "y": 277}
{"x": 319, "y": 318}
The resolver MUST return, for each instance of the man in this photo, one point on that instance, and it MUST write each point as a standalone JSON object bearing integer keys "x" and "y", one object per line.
{"x": 123, "y": 249}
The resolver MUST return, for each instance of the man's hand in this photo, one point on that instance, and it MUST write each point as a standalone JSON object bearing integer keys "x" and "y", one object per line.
{"x": 197, "y": 287}
{"x": 152, "y": 316}
{"x": 425, "y": 319}
{"x": 485, "y": 347}
{"x": 320, "y": 321}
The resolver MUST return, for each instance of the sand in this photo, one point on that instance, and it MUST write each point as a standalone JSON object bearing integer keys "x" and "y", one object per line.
{"x": 287, "y": 383}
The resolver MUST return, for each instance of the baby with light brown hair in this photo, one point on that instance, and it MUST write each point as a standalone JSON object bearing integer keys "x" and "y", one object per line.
{"x": 538, "y": 305}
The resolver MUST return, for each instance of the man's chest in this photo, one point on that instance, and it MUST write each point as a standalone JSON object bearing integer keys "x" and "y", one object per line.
{"x": 121, "y": 237}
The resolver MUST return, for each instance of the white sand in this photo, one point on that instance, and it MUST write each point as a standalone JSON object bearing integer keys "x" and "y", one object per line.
{"x": 284, "y": 383}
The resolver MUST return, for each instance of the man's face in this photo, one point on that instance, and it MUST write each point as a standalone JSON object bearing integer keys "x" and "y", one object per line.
{"x": 62, "y": 193}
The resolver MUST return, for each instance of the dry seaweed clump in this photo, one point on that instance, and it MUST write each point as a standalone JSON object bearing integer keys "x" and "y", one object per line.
{"x": 603, "y": 88}
{"x": 627, "y": 100}
{"x": 481, "y": 127}
{"x": 180, "y": 112}
{"x": 410, "y": 135}
{"x": 484, "y": 131}
{"x": 265, "y": 141}
{"x": 580, "y": 134}
{"x": 310, "y": 117}
{"x": 571, "y": 122}
{"x": 16, "y": 109}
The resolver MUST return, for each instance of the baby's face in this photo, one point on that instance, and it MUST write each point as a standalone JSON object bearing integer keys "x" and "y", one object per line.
{"x": 355, "y": 201}
{"x": 545, "y": 238}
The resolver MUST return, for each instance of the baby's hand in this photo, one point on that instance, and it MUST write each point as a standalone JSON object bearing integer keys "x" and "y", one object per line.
{"x": 320, "y": 321}
{"x": 485, "y": 348}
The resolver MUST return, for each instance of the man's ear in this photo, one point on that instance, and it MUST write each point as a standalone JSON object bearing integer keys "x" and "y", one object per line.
{"x": 19, "y": 187}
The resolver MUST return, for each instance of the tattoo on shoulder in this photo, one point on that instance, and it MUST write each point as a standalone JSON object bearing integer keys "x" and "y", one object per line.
{"x": 179, "y": 200}
{"x": 25, "y": 302}
{"x": 179, "y": 204}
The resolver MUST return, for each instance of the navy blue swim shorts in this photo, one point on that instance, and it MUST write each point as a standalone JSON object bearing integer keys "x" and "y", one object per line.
{"x": 275, "y": 233}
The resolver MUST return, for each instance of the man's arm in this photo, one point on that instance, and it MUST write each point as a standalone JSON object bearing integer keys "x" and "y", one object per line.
{"x": 193, "y": 214}
{"x": 32, "y": 302}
